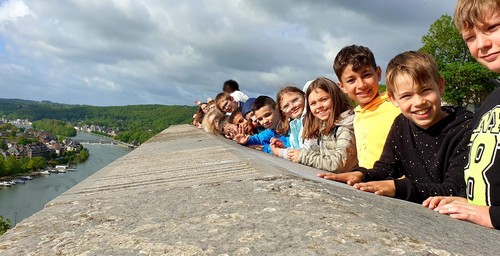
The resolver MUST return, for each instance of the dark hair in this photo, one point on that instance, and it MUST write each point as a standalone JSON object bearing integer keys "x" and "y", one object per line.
{"x": 233, "y": 85}
{"x": 340, "y": 103}
{"x": 237, "y": 111}
{"x": 262, "y": 101}
{"x": 355, "y": 55}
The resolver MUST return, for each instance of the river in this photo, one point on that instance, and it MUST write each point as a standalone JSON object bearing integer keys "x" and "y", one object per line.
{"x": 23, "y": 200}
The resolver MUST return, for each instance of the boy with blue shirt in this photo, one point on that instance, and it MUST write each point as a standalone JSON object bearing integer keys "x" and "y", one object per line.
{"x": 264, "y": 110}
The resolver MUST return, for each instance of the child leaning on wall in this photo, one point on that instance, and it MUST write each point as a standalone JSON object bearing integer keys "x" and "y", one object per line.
{"x": 329, "y": 118}
{"x": 226, "y": 103}
{"x": 291, "y": 104}
{"x": 233, "y": 88}
{"x": 479, "y": 23}
{"x": 359, "y": 76}
{"x": 264, "y": 110}
{"x": 426, "y": 147}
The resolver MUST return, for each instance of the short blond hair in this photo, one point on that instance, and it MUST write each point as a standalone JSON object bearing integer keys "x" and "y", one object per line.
{"x": 470, "y": 13}
{"x": 421, "y": 67}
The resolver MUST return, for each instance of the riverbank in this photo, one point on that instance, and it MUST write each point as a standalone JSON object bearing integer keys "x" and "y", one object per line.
{"x": 21, "y": 201}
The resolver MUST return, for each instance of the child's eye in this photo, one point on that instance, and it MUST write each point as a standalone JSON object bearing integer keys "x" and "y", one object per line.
{"x": 493, "y": 27}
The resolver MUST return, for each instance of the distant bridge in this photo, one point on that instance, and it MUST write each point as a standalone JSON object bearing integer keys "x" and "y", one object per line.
{"x": 106, "y": 142}
{"x": 97, "y": 142}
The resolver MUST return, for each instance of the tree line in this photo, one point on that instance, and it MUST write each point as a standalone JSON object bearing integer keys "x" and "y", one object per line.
{"x": 133, "y": 123}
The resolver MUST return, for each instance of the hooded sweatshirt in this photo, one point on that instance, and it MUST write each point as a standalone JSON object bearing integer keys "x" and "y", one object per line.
{"x": 431, "y": 160}
{"x": 337, "y": 150}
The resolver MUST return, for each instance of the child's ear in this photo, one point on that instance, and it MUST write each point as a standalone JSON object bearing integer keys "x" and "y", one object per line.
{"x": 341, "y": 86}
{"x": 442, "y": 85}
{"x": 379, "y": 73}
{"x": 391, "y": 97}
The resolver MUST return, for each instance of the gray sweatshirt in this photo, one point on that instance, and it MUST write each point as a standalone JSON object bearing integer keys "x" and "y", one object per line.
{"x": 337, "y": 150}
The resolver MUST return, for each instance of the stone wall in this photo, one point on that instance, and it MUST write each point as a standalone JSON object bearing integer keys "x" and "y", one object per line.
{"x": 185, "y": 192}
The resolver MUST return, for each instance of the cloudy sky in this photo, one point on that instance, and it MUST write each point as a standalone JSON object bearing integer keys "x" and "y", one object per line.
{"x": 128, "y": 52}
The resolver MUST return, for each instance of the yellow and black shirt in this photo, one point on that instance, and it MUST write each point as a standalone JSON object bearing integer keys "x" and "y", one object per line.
{"x": 482, "y": 173}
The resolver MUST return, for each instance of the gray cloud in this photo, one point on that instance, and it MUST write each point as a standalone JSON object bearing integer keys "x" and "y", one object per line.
{"x": 122, "y": 52}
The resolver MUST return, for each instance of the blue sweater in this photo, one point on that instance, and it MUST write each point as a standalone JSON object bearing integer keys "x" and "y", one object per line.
{"x": 264, "y": 137}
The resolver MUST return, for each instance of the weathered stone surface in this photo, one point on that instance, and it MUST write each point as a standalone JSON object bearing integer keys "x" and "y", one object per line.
{"x": 189, "y": 193}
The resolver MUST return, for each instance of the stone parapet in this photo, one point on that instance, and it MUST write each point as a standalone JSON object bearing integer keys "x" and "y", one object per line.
{"x": 186, "y": 192}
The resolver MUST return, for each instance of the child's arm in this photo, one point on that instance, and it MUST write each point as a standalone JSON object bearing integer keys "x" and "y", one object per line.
{"x": 261, "y": 138}
{"x": 487, "y": 216}
{"x": 452, "y": 177}
{"x": 340, "y": 157}
{"x": 382, "y": 187}
{"x": 350, "y": 178}
{"x": 241, "y": 137}
{"x": 278, "y": 148}
{"x": 436, "y": 201}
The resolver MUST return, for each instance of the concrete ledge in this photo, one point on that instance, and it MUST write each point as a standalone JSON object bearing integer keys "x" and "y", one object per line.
{"x": 185, "y": 192}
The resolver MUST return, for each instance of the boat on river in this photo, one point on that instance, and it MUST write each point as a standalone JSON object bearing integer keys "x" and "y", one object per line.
{"x": 19, "y": 181}
{"x": 45, "y": 172}
{"x": 5, "y": 184}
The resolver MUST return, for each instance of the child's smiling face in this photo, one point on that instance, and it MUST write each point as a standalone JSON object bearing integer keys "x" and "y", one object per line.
{"x": 292, "y": 105}
{"x": 484, "y": 41}
{"x": 421, "y": 104}
{"x": 267, "y": 117}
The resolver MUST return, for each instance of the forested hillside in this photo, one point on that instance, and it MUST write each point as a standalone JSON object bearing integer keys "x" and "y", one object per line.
{"x": 134, "y": 122}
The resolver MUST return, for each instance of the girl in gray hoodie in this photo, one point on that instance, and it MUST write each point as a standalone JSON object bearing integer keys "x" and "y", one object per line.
{"x": 329, "y": 120}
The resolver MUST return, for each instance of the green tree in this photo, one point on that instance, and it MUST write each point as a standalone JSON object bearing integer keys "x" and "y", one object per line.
{"x": 37, "y": 163}
{"x": 3, "y": 144}
{"x": 5, "y": 224}
{"x": 467, "y": 82}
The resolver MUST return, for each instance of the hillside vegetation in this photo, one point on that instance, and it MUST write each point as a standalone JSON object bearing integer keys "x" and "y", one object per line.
{"x": 132, "y": 123}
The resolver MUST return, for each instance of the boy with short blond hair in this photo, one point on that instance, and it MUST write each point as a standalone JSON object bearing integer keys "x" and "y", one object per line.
{"x": 359, "y": 76}
{"x": 426, "y": 147}
{"x": 479, "y": 23}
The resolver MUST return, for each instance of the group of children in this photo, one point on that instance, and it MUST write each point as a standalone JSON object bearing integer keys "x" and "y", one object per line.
{"x": 402, "y": 143}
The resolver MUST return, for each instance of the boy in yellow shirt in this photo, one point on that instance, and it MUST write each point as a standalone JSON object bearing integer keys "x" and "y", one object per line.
{"x": 359, "y": 76}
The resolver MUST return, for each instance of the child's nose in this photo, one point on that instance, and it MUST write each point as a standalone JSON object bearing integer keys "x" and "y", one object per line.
{"x": 482, "y": 41}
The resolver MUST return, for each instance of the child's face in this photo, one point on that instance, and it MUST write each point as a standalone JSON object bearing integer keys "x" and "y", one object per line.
{"x": 483, "y": 41}
{"x": 267, "y": 117}
{"x": 320, "y": 104}
{"x": 228, "y": 105}
{"x": 420, "y": 104}
{"x": 251, "y": 119}
{"x": 229, "y": 130}
{"x": 204, "y": 108}
{"x": 240, "y": 121}
{"x": 361, "y": 85}
{"x": 292, "y": 105}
